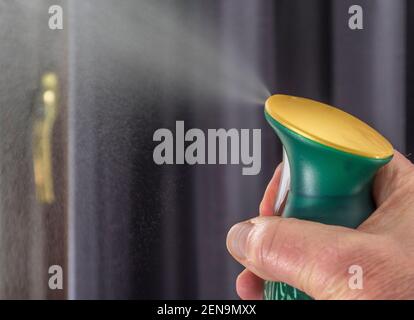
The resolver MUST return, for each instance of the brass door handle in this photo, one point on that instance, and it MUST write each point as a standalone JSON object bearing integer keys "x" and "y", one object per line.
{"x": 46, "y": 113}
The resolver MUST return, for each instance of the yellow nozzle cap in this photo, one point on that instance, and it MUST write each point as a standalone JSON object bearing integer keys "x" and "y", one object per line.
{"x": 328, "y": 125}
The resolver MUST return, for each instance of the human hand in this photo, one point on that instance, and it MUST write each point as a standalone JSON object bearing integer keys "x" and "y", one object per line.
{"x": 315, "y": 258}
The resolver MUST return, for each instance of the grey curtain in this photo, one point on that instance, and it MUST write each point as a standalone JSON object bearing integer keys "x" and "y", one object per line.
{"x": 122, "y": 226}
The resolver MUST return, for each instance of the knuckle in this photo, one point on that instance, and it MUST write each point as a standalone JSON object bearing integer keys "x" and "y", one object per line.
{"x": 372, "y": 255}
{"x": 383, "y": 265}
{"x": 265, "y": 245}
{"x": 322, "y": 274}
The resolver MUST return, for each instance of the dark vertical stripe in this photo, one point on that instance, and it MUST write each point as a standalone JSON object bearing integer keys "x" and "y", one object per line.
{"x": 409, "y": 134}
{"x": 303, "y": 48}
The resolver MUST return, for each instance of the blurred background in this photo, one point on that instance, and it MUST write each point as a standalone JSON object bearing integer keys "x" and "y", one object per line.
{"x": 79, "y": 107}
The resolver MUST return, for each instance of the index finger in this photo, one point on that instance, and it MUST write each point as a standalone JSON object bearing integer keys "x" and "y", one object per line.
{"x": 267, "y": 205}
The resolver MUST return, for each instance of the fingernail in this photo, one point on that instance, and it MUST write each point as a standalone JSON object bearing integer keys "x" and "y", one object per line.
{"x": 237, "y": 239}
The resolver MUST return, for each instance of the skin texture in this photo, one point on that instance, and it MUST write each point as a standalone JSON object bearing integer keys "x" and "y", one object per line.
{"x": 316, "y": 258}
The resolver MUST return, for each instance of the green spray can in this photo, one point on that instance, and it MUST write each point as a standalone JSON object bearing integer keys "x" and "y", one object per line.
{"x": 330, "y": 159}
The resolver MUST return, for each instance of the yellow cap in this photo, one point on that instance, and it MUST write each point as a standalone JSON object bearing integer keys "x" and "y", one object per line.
{"x": 328, "y": 125}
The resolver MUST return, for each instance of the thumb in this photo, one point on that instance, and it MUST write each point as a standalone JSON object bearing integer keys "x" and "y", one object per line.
{"x": 310, "y": 256}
